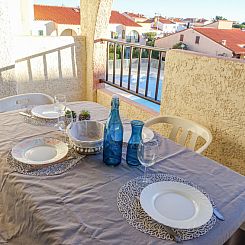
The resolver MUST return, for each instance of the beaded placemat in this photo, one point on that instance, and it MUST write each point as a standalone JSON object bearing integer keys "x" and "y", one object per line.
{"x": 31, "y": 119}
{"x": 71, "y": 160}
{"x": 130, "y": 208}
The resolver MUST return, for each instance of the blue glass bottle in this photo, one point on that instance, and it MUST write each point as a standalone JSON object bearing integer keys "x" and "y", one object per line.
{"x": 133, "y": 143}
{"x": 113, "y": 136}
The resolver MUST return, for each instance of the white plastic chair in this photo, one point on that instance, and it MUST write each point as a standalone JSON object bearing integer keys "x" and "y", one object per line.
{"x": 186, "y": 126}
{"x": 23, "y": 100}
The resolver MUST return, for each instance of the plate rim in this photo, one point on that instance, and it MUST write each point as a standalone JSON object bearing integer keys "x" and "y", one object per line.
{"x": 186, "y": 224}
{"x": 40, "y": 163}
{"x": 36, "y": 114}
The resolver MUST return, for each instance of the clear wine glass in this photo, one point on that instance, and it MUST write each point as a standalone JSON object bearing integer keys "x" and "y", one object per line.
{"x": 147, "y": 154}
{"x": 60, "y": 107}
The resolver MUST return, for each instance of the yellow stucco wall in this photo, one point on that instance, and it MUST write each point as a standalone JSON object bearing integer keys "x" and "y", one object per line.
{"x": 94, "y": 20}
{"x": 210, "y": 91}
{"x": 128, "y": 108}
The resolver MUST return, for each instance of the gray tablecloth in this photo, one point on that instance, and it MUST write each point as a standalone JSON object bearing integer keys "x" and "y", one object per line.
{"x": 80, "y": 207}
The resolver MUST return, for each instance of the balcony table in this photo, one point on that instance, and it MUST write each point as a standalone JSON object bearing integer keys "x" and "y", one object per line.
{"x": 80, "y": 205}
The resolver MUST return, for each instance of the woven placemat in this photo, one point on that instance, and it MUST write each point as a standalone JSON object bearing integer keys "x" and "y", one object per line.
{"x": 31, "y": 119}
{"x": 70, "y": 161}
{"x": 130, "y": 208}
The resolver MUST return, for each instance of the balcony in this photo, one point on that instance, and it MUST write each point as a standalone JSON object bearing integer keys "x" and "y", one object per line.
{"x": 206, "y": 89}
{"x": 150, "y": 82}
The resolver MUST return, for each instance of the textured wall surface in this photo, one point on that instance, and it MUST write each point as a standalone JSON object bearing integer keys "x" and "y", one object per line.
{"x": 7, "y": 76}
{"x": 128, "y": 108}
{"x": 94, "y": 20}
{"x": 50, "y": 65}
{"x": 210, "y": 91}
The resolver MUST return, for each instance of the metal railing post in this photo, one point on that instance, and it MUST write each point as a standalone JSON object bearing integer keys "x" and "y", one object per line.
{"x": 136, "y": 89}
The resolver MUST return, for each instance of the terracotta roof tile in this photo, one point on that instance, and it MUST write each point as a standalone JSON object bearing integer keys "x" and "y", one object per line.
{"x": 133, "y": 15}
{"x": 165, "y": 21}
{"x": 176, "y": 20}
{"x": 161, "y": 19}
{"x": 71, "y": 16}
{"x": 117, "y": 18}
{"x": 57, "y": 14}
{"x": 148, "y": 21}
{"x": 234, "y": 37}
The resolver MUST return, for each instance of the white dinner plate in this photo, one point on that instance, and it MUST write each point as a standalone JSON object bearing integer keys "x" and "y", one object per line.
{"x": 45, "y": 111}
{"x": 40, "y": 151}
{"x": 176, "y": 204}
{"x": 147, "y": 134}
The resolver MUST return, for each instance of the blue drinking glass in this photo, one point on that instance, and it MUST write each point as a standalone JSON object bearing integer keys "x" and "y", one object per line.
{"x": 133, "y": 143}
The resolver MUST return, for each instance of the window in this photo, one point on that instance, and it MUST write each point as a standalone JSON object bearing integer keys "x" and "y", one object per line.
{"x": 40, "y": 33}
{"x": 114, "y": 35}
{"x": 197, "y": 40}
{"x": 134, "y": 37}
{"x": 181, "y": 38}
{"x": 123, "y": 34}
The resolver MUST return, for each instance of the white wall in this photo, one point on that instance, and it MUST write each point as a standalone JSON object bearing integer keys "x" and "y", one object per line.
{"x": 205, "y": 45}
{"x": 50, "y": 65}
{"x": 62, "y": 27}
{"x": 113, "y": 28}
{"x": 38, "y": 26}
{"x": 27, "y": 16}
{"x": 52, "y": 29}
{"x": 168, "y": 28}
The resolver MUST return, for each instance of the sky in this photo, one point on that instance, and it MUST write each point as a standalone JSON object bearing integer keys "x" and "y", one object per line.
{"x": 232, "y": 10}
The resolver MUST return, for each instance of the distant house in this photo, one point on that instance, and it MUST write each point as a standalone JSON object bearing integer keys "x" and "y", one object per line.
{"x": 167, "y": 25}
{"x": 135, "y": 17}
{"x": 201, "y": 22}
{"x": 124, "y": 28}
{"x": 147, "y": 25}
{"x": 195, "y": 22}
{"x": 65, "y": 21}
{"x": 56, "y": 21}
{"x": 211, "y": 40}
{"x": 162, "y": 26}
{"x": 178, "y": 21}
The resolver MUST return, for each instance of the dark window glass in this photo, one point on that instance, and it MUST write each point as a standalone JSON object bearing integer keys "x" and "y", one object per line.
{"x": 40, "y": 33}
{"x": 123, "y": 34}
{"x": 197, "y": 40}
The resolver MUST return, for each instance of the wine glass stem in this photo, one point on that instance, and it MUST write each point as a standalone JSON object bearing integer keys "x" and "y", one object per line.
{"x": 145, "y": 174}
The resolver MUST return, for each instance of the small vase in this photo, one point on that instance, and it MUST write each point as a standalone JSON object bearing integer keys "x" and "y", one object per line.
{"x": 133, "y": 143}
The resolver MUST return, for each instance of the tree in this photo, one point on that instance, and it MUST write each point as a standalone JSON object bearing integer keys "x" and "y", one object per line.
{"x": 150, "y": 38}
{"x": 111, "y": 52}
{"x": 217, "y": 17}
{"x": 150, "y": 41}
{"x": 240, "y": 26}
{"x": 180, "y": 45}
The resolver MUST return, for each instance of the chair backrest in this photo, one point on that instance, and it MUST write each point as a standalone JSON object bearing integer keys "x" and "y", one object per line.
{"x": 22, "y": 100}
{"x": 182, "y": 127}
